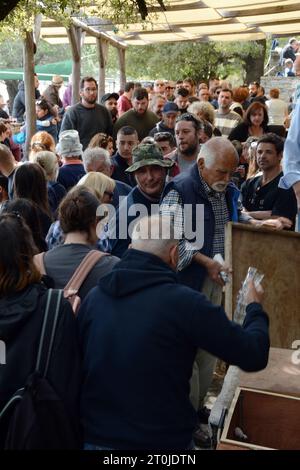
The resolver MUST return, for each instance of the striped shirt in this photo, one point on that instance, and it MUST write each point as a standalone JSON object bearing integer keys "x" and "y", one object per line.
{"x": 226, "y": 122}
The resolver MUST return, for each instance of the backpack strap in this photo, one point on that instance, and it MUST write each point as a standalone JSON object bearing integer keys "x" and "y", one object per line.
{"x": 82, "y": 272}
{"x": 39, "y": 263}
{"x": 51, "y": 314}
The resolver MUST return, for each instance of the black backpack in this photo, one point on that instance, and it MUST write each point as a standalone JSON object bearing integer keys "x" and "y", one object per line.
{"x": 35, "y": 417}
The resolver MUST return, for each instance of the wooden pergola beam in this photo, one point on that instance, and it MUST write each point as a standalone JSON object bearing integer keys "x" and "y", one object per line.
{"x": 259, "y": 11}
{"x": 97, "y": 34}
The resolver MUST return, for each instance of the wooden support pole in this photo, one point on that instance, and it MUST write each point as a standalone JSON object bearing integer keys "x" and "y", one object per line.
{"x": 102, "y": 47}
{"x": 121, "y": 53}
{"x": 75, "y": 36}
{"x": 28, "y": 60}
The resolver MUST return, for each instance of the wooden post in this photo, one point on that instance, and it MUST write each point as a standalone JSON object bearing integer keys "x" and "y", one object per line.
{"x": 102, "y": 47}
{"x": 121, "y": 53}
{"x": 75, "y": 34}
{"x": 28, "y": 60}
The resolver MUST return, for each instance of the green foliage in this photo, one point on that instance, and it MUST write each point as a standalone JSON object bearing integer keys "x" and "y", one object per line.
{"x": 11, "y": 55}
{"x": 198, "y": 60}
{"x": 21, "y": 18}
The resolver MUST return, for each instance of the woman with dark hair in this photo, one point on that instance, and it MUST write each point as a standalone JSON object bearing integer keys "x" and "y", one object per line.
{"x": 78, "y": 219}
{"x": 22, "y": 307}
{"x": 255, "y": 123}
{"x": 30, "y": 183}
{"x": 28, "y": 210}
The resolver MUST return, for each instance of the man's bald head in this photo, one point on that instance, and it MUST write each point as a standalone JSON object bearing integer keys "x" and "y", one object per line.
{"x": 217, "y": 148}
{"x": 217, "y": 160}
{"x": 156, "y": 235}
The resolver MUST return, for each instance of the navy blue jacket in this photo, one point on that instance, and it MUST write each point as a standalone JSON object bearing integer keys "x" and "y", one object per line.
{"x": 139, "y": 331}
{"x": 191, "y": 190}
{"x": 70, "y": 174}
{"x": 120, "y": 165}
{"x": 112, "y": 240}
{"x": 121, "y": 189}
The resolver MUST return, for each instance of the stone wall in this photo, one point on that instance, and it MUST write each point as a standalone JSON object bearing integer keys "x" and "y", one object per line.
{"x": 286, "y": 85}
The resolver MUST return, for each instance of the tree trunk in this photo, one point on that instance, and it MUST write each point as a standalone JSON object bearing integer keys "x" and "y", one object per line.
{"x": 254, "y": 66}
{"x": 28, "y": 55}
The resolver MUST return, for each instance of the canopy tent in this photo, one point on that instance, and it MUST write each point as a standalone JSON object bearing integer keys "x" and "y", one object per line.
{"x": 192, "y": 20}
{"x": 45, "y": 72}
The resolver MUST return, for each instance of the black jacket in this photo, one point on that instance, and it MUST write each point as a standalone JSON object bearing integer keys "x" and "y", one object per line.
{"x": 139, "y": 331}
{"x": 19, "y": 102}
{"x": 20, "y": 327}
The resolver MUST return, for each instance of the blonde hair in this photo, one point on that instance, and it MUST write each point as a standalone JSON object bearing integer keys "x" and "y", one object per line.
{"x": 203, "y": 110}
{"x": 48, "y": 161}
{"x": 98, "y": 182}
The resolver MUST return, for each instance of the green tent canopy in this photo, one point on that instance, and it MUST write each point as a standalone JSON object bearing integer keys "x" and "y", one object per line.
{"x": 45, "y": 72}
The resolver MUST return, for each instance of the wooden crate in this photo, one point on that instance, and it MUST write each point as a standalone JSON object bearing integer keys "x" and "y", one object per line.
{"x": 277, "y": 255}
{"x": 270, "y": 421}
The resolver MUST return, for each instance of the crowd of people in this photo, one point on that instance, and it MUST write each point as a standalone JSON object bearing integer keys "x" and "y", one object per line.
{"x": 132, "y": 196}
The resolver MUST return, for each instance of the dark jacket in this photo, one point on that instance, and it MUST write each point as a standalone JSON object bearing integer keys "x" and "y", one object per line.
{"x": 56, "y": 192}
{"x": 191, "y": 190}
{"x": 70, "y": 173}
{"x": 114, "y": 241}
{"x": 241, "y": 131}
{"x": 19, "y": 102}
{"x": 160, "y": 127}
{"x": 119, "y": 174}
{"x": 20, "y": 328}
{"x": 139, "y": 332}
{"x": 121, "y": 190}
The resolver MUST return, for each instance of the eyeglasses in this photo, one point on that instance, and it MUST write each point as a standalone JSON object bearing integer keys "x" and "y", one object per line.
{"x": 90, "y": 90}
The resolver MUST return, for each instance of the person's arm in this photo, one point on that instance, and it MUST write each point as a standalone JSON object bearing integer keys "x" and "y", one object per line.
{"x": 291, "y": 155}
{"x": 259, "y": 215}
{"x": 213, "y": 267}
{"x": 69, "y": 121}
{"x": 245, "y": 346}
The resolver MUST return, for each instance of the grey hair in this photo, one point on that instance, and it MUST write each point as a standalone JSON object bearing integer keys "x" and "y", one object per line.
{"x": 204, "y": 108}
{"x": 93, "y": 155}
{"x": 214, "y": 148}
{"x": 154, "y": 234}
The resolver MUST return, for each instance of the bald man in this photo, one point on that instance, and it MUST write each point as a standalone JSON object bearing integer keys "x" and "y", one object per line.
{"x": 139, "y": 330}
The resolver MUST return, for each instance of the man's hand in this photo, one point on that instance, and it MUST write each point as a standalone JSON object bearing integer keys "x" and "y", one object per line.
{"x": 279, "y": 224}
{"x": 213, "y": 270}
{"x": 254, "y": 294}
{"x": 296, "y": 188}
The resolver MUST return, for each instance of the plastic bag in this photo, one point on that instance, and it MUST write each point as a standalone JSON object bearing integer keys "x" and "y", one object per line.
{"x": 240, "y": 310}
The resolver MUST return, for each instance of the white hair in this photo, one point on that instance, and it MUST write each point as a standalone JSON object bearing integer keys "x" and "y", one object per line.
{"x": 95, "y": 155}
{"x": 214, "y": 148}
{"x": 154, "y": 234}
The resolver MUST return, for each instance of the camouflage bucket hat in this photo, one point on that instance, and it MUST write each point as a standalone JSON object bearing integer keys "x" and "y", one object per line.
{"x": 148, "y": 154}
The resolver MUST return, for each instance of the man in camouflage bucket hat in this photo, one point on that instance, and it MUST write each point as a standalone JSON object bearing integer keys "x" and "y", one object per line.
{"x": 150, "y": 171}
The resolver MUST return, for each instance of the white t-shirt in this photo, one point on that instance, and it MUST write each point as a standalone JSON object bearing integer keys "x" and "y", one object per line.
{"x": 277, "y": 111}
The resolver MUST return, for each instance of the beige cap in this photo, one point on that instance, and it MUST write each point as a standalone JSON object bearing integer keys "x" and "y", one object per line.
{"x": 57, "y": 80}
